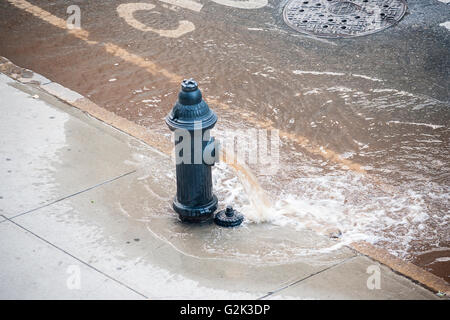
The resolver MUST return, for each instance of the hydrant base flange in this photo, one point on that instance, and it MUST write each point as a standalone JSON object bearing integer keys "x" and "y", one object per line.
{"x": 196, "y": 214}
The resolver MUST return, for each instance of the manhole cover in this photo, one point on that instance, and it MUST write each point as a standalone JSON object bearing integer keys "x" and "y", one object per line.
{"x": 341, "y": 18}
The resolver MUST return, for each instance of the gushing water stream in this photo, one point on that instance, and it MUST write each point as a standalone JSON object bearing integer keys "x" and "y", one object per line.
{"x": 260, "y": 202}
{"x": 262, "y": 208}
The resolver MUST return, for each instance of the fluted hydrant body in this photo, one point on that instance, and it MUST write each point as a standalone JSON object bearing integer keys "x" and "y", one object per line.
{"x": 195, "y": 154}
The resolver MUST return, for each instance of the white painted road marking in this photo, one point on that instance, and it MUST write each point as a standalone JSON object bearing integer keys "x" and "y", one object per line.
{"x": 187, "y": 4}
{"x": 446, "y": 25}
{"x": 241, "y": 4}
{"x": 126, "y": 11}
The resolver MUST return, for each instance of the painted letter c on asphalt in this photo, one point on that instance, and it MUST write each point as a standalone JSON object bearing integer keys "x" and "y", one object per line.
{"x": 126, "y": 11}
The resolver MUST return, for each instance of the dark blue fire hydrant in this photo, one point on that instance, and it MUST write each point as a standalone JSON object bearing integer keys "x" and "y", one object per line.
{"x": 195, "y": 153}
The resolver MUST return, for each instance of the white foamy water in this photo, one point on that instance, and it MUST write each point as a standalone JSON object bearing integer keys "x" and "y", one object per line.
{"x": 329, "y": 73}
{"x": 433, "y": 126}
{"x": 353, "y": 204}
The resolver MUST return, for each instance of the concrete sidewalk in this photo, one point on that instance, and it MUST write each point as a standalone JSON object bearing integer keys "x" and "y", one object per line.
{"x": 85, "y": 214}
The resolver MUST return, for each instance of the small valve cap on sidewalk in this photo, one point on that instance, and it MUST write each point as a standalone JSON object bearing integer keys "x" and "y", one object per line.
{"x": 228, "y": 218}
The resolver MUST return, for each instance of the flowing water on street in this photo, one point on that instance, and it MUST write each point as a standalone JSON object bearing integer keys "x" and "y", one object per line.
{"x": 364, "y": 127}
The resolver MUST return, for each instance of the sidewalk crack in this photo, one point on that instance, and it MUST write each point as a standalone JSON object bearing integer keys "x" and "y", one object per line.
{"x": 73, "y": 194}
{"x": 76, "y": 258}
{"x": 305, "y": 278}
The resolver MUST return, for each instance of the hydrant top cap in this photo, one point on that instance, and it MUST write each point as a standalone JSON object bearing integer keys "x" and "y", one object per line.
{"x": 189, "y": 94}
{"x": 189, "y": 85}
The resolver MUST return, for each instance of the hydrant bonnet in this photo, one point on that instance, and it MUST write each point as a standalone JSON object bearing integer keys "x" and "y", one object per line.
{"x": 190, "y": 108}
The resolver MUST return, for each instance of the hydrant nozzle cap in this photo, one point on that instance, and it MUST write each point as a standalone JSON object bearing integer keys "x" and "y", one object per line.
{"x": 228, "y": 218}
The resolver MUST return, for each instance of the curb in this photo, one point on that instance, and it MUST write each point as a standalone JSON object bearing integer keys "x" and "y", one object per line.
{"x": 82, "y": 103}
{"x": 405, "y": 268}
{"x": 162, "y": 144}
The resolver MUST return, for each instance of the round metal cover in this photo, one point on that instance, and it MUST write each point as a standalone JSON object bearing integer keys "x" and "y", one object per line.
{"x": 228, "y": 218}
{"x": 342, "y": 18}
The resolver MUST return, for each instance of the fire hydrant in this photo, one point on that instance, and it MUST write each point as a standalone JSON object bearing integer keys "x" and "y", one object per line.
{"x": 195, "y": 153}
